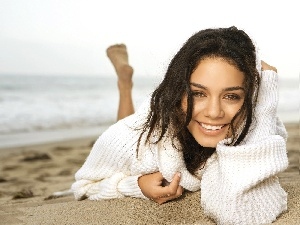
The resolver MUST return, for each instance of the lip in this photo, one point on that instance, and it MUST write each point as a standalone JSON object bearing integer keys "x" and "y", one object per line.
{"x": 215, "y": 130}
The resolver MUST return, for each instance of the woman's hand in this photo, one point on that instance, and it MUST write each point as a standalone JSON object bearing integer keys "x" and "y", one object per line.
{"x": 155, "y": 187}
{"x": 265, "y": 66}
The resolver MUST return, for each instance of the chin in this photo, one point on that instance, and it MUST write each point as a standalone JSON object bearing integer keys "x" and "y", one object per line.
{"x": 208, "y": 144}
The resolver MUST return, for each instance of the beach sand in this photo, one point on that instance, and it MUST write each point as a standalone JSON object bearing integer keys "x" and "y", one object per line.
{"x": 30, "y": 174}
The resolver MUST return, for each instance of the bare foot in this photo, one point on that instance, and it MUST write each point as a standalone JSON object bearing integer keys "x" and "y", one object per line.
{"x": 119, "y": 58}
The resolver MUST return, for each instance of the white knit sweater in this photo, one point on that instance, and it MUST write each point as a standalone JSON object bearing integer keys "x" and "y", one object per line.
{"x": 238, "y": 184}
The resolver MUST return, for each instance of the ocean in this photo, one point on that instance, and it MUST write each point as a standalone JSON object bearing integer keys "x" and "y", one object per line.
{"x": 39, "y": 103}
{"x": 33, "y": 104}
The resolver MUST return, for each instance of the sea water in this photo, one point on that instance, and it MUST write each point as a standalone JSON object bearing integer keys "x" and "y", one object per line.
{"x": 35, "y": 103}
{"x": 45, "y": 103}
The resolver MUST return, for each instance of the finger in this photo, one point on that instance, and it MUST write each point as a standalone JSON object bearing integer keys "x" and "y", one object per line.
{"x": 174, "y": 183}
{"x": 178, "y": 193}
{"x": 266, "y": 66}
{"x": 164, "y": 199}
{"x": 171, "y": 189}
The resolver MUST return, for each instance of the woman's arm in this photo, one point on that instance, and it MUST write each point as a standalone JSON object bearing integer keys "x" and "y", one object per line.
{"x": 106, "y": 171}
{"x": 239, "y": 185}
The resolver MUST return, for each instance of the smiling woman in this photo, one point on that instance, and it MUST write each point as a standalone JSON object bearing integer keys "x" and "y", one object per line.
{"x": 210, "y": 124}
{"x": 218, "y": 95}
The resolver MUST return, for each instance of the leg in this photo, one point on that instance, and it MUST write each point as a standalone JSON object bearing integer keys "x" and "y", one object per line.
{"x": 119, "y": 58}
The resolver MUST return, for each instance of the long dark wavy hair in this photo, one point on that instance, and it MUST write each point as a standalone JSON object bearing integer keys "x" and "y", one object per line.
{"x": 166, "y": 115}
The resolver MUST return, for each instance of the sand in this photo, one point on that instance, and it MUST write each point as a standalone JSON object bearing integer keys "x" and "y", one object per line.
{"x": 30, "y": 174}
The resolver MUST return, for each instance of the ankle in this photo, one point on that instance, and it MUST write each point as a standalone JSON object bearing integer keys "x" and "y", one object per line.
{"x": 125, "y": 85}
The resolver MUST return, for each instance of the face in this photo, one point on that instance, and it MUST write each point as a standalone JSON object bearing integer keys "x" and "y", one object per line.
{"x": 218, "y": 93}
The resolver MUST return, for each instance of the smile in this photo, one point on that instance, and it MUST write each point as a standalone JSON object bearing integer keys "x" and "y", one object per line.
{"x": 212, "y": 127}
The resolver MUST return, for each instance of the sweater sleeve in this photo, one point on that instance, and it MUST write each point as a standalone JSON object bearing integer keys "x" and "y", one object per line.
{"x": 106, "y": 172}
{"x": 239, "y": 184}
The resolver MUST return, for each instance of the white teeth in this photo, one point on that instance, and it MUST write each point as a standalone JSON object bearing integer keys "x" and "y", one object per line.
{"x": 210, "y": 127}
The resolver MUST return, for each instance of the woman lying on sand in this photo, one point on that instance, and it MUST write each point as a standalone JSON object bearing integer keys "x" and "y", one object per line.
{"x": 210, "y": 124}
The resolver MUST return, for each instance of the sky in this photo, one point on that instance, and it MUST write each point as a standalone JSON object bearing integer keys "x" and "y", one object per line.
{"x": 70, "y": 37}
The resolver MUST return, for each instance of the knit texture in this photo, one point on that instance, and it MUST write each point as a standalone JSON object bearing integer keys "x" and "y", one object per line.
{"x": 238, "y": 186}
{"x": 113, "y": 166}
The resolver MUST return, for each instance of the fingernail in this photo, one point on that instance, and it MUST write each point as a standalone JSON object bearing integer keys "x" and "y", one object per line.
{"x": 178, "y": 174}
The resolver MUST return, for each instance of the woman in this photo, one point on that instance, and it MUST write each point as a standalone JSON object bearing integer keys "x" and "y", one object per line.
{"x": 211, "y": 124}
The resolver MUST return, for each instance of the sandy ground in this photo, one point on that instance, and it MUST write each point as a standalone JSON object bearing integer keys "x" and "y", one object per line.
{"x": 30, "y": 174}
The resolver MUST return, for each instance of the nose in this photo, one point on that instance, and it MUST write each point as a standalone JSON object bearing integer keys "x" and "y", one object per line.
{"x": 213, "y": 109}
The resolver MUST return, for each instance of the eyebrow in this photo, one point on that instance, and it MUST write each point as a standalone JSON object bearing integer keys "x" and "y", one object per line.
{"x": 225, "y": 89}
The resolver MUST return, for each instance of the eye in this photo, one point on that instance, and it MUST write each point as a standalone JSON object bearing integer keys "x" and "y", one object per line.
{"x": 232, "y": 97}
{"x": 198, "y": 94}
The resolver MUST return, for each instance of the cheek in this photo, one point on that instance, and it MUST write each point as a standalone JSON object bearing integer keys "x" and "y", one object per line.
{"x": 232, "y": 111}
{"x": 199, "y": 106}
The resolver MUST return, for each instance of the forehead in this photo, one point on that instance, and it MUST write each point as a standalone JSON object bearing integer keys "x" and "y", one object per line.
{"x": 217, "y": 72}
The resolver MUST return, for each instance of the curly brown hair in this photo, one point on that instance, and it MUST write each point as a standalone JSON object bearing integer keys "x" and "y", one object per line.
{"x": 166, "y": 114}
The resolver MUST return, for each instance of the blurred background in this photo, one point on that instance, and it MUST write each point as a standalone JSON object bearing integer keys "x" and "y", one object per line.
{"x": 55, "y": 75}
